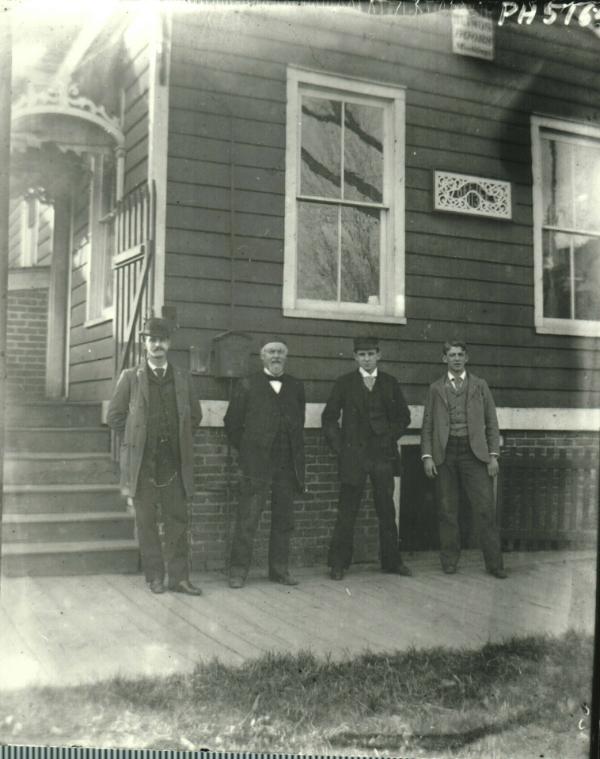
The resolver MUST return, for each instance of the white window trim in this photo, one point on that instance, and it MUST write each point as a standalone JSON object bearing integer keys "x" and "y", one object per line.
{"x": 393, "y": 308}
{"x": 29, "y": 234}
{"x": 97, "y": 231}
{"x": 548, "y": 325}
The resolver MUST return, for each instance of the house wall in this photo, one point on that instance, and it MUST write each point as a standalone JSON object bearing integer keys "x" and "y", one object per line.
{"x": 91, "y": 356}
{"x": 464, "y": 275}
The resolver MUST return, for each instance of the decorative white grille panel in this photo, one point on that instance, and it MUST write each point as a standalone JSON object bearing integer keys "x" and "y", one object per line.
{"x": 465, "y": 193}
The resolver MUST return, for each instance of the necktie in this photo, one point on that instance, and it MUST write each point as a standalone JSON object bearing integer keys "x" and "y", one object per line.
{"x": 369, "y": 382}
{"x": 160, "y": 373}
{"x": 458, "y": 382}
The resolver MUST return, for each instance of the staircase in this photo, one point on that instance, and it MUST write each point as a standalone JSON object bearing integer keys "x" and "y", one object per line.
{"x": 63, "y": 512}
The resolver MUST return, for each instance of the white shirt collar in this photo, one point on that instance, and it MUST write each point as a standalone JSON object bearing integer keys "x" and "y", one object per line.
{"x": 366, "y": 374}
{"x": 462, "y": 376}
{"x": 154, "y": 366}
{"x": 272, "y": 376}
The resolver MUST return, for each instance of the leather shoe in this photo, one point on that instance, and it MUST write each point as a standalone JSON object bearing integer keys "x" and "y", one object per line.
{"x": 336, "y": 573}
{"x": 157, "y": 586}
{"x": 283, "y": 579}
{"x": 401, "y": 570}
{"x": 500, "y": 574}
{"x": 449, "y": 570}
{"x": 185, "y": 586}
{"x": 235, "y": 581}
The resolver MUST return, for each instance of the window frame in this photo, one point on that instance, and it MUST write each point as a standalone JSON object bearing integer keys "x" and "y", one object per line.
{"x": 96, "y": 311}
{"x": 569, "y": 131}
{"x": 392, "y": 98}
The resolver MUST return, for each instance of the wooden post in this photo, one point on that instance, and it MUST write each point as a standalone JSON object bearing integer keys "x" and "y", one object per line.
{"x": 58, "y": 298}
{"x": 5, "y": 104}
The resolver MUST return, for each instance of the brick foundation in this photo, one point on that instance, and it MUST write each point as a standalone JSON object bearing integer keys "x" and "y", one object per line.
{"x": 26, "y": 334}
{"x": 555, "y": 495}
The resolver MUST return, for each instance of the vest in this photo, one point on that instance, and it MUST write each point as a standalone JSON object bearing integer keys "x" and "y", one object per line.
{"x": 161, "y": 453}
{"x": 457, "y": 408}
{"x": 281, "y": 452}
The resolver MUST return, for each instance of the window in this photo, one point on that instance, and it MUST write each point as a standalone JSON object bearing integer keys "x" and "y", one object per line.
{"x": 37, "y": 229}
{"x": 566, "y": 171}
{"x": 344, "y": 224}
{"x": 102, "y": 203}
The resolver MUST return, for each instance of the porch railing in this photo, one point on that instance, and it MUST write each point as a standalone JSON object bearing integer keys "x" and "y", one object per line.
{"x": 133, "y": 264}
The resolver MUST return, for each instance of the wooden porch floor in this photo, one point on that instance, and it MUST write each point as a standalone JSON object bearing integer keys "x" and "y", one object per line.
{"x": 65, "y": 630}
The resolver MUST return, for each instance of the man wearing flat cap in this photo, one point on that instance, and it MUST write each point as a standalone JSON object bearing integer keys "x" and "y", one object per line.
{"x": 265, "y": 422}
{"x": 155, "y": 411}
{"x": 374, "y": 416}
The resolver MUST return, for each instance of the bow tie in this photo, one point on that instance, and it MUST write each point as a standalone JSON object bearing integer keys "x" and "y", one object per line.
{"x": 160, "y": 373}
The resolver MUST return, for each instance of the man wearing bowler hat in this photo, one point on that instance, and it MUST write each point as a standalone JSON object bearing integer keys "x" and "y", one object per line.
{"x": 155, "y": 411}
{"x": 374, "y": 416}
{"x": 265, "y": 422}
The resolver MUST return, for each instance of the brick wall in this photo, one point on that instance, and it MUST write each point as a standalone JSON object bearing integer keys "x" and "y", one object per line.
{"x": 553, "y": 499}
{"x": 26, "y": 333}
{"x": 214, "y": 504}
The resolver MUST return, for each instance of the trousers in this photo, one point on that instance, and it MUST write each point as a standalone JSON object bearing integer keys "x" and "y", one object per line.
{"x": 461, "y": 466}
{"x": 172, "y": 502}
{"x": 253, "y": 498}
{"x": 342, "y": 541}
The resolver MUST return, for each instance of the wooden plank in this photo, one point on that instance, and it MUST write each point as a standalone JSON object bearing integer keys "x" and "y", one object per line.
{"x": 494, "y": 251}
{"x": 210, "y": 173}
{"x": 137, "y": 133}
{"x": 220, "y": 150}
{"x": 197, "y": 242}
{"x": 136, "y": 110}
{"x": 246, "y": 105}
{"x": 91, "y": 391}
{"x": 102, "y": 348}
{"x": 136, "y": 174}
{"x": 137, "y": 153}
{"x": 206, "y": 220}
{"x": 97, "y": 369}
{"x": 200, "y": 124}
{"x": 82, "y": 335}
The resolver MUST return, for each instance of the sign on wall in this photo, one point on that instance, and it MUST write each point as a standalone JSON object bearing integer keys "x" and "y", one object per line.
{"x": 465, "y": 193}
{"x": 472, "y": 34}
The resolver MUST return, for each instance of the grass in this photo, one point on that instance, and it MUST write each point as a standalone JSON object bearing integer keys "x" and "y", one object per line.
{"x": 521, "y": 698}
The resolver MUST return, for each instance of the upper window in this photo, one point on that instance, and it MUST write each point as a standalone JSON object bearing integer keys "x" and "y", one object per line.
{"x": 566, "y": 170}
{"x": 344, "y": 224}
{"x": 35, "y": 235}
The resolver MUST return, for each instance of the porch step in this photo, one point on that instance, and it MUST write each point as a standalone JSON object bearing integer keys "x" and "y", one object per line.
{"x": 53, "y": 414}
{"x": 64, "y": 439}
{"x": 63, "y": 528}
{"x": 59, "y": 468}
{"x": 91, "y": 557}
{"x": 61, "y": 499}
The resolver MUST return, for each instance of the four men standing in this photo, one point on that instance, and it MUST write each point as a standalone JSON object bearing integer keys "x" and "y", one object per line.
{"x": 155, "y": 411}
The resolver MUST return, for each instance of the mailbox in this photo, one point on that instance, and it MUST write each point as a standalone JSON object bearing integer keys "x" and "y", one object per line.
{"x": 231, "y": 354}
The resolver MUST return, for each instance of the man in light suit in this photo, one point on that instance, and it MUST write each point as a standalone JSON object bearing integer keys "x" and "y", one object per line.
{"x": 156, "y": 412}
{"x": 265, "y": 422}
{"x": 460, "y": 444}
{"x": 374, "y": 415}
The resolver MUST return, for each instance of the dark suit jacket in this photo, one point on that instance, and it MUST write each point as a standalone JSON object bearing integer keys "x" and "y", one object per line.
{"x": 482, "y": 422}
{"x": 252, "y": 422}
{"x": 350, "y": 440}
{"x": 128, "y": 415}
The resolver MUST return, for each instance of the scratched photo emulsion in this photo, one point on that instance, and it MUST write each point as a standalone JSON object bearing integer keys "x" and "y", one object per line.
{"x": 299, "y": 352}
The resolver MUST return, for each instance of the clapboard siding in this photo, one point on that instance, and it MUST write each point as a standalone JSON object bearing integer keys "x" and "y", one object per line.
{"x": 465, "y": 276}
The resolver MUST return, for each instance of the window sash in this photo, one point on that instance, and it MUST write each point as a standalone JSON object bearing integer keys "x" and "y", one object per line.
{"x": 390, "y": 100}
{"x": 544, "y": 129}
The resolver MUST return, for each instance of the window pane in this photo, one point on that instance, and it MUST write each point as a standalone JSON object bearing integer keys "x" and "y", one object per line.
{"x": 587, "y": 277}
{"x": 320, "y": 157}
{"x": 587, "y": 187}
{"x": 557, "y": 183}
{"x": 557, "y": 287}
{"x": 360, "y": 256}
{"x": 363, "y": 153}
{"x": 317, "y": 251}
